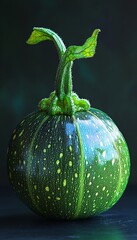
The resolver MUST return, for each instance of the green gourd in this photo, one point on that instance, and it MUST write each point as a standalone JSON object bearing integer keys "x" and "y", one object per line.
{"x": 67, "y": 160}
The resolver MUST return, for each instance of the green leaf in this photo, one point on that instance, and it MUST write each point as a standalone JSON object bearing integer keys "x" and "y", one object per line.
{"x": 43, "y": 34}
{"x": 87, "y": 50}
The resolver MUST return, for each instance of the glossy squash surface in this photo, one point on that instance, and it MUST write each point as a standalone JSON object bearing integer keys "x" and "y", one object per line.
{"x": 68, "y": 167}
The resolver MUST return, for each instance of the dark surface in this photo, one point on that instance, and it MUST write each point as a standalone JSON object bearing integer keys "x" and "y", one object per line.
{"x": 119, "y": 223}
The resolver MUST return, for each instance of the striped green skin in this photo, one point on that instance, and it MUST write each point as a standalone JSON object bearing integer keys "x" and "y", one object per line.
{"x": 68, "y": 167}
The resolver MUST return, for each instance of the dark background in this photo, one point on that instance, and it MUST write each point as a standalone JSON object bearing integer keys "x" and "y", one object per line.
{"x": 109, "y": 80}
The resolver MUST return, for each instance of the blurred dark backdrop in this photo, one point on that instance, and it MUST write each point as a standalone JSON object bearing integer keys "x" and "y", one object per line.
{"x": 109, "y": 80}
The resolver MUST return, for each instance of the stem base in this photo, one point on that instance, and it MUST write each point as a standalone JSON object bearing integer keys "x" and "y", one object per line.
{"x": 68, "y": 105}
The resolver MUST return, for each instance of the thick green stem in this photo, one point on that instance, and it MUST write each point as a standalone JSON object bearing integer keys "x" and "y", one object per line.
{"x": 63, "y": 83}
{"x": 63, "y": 100}
{"x": 68, "y": 83}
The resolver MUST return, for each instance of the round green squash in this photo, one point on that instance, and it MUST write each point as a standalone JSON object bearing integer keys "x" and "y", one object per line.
{"x": 67, "y": 160}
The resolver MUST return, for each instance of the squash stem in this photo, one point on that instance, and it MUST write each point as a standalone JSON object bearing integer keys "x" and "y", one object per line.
{"x": 63, "y": 100}
{"x": 63, "y": 83}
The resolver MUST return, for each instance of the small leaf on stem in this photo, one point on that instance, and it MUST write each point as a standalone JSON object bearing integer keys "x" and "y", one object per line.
{"x": 40, "y": 34}
{"x": 87, "y": 50}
